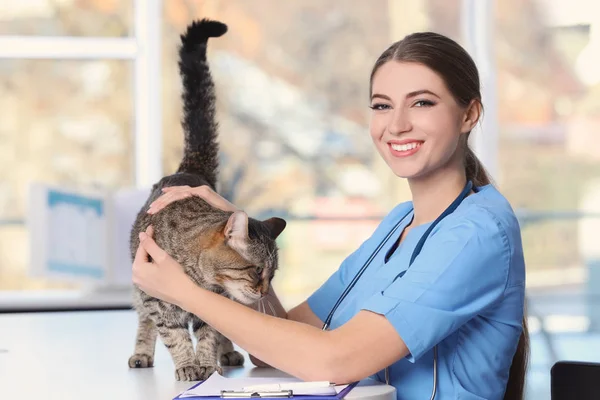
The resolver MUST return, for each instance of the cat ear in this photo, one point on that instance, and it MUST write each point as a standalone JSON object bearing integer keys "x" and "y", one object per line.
{"x": 275, "y": 225}
{"x": 236, "y": 228}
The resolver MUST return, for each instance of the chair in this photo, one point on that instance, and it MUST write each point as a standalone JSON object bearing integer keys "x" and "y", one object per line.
{"x": 575, "y": 380}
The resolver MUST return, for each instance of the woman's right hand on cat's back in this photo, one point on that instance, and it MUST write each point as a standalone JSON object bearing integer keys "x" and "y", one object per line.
{"x": 174, "y": 193}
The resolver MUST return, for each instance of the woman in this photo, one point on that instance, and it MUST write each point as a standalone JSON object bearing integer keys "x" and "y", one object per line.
{"x": 457, "y": 311}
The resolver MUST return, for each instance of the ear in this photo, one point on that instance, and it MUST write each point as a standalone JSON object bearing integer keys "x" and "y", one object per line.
{"x": 275, "y": 225}
{"x": 471, "y": 116}
{"x": 236, "y": 228}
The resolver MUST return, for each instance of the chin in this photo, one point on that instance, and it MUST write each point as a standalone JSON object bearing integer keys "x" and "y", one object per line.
{"x": 406, "y": 173}
{"x": 246, "y": 298}
{"x": 402, "y": 174}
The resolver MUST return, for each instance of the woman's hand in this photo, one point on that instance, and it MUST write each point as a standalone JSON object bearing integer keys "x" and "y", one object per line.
{"x": 174, "y": 193}
{"x": 163, "y": 278}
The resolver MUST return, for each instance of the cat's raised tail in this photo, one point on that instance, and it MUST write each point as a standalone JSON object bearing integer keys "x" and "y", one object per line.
{"x": 201, "y": 150}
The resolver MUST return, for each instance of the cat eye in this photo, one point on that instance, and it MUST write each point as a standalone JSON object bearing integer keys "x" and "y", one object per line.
{"x": 259, "y": 270}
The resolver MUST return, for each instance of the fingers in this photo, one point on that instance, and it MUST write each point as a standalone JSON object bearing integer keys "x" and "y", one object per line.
{"x": 172, "y": 188}
{"x": 213, "y": 198}
{"x": 150, "y": 247}
{"x": 167, "y": 198}
{"x": 174, "y": 193}
{"x": 141, "y": 256}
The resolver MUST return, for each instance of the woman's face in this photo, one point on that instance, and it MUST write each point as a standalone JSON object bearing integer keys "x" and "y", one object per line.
{"x": 416, "y": 124}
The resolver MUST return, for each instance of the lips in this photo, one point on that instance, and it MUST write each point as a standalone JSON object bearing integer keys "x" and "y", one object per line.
{"x": 404, "y": 148}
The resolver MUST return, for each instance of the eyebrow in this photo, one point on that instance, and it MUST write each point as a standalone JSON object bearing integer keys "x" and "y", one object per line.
{"x": 408, "y": 96}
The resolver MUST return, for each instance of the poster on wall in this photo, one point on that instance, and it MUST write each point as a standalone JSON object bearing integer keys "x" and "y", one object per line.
{"x": 82, "y": 236}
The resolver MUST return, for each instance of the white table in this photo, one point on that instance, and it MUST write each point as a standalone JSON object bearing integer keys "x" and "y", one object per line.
{"x": 83, "y": 355}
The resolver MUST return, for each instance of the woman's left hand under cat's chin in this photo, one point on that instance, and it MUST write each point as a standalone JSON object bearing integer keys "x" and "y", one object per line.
{"x": 163, "y": 278}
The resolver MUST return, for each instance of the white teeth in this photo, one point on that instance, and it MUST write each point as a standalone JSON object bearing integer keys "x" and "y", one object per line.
{"x": 405, "y": 147}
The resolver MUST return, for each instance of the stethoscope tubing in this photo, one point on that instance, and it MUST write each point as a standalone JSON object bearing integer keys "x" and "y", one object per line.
{"x": 465, "y": 192}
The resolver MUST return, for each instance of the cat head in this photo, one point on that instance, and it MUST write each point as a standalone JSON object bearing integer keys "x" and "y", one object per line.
{"x": 243, "y": 256}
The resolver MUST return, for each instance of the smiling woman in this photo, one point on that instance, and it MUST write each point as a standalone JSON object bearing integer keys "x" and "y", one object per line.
{"x": 425, "y": 94}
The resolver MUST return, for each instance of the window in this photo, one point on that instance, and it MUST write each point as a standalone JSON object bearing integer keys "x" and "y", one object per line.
{"x": 76, "y": 108}
{"x": 63, "y": 123}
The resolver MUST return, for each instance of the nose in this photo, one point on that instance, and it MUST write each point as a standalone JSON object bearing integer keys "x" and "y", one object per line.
{"x": 399, "y": 122}
{"x": 264, "y": 289}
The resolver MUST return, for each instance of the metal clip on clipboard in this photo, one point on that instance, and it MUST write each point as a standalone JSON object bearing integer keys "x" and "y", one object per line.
{"x": 256, "y": 394}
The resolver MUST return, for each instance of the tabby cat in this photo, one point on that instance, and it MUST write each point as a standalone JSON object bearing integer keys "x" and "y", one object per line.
{"x": 227, "y": 253}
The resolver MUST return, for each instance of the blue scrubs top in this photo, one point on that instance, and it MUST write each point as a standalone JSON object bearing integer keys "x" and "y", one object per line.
{"x": 464, "y": 292}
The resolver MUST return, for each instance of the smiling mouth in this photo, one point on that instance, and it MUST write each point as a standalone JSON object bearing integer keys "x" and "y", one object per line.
{"x": 405, "y": 149}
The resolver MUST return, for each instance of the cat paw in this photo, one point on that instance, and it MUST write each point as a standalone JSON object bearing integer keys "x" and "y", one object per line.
{"x": 188, "y": 373}
{"x": 141, "y": 361}
{"x": 208, "y": 370}
{"x": 232, "y": 359}
{"x": 196, "y": 372}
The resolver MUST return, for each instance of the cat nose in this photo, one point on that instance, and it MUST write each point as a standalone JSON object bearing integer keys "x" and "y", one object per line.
{"x": 264, "y": 290}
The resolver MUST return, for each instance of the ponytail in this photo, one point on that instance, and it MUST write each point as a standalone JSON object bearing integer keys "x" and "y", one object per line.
{"x": 515, "y": 387}
{"x": 475, "y": 170}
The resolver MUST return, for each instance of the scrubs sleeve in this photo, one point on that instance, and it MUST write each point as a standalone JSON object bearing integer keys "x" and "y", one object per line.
{"x": 323, "y": 299}
{"x": 462, "y": 270}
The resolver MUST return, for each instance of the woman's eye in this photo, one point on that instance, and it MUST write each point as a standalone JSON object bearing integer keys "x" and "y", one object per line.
{"x": 379, "y": 107}
{"x": 424, "y": 103}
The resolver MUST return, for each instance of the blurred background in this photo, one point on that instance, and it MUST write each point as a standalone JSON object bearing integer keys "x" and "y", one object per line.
{"x": 91, "y": 103}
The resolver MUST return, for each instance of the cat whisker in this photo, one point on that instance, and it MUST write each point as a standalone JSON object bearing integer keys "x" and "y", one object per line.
{"x": 270, "y": 306}
{"x": 271, "y": 254}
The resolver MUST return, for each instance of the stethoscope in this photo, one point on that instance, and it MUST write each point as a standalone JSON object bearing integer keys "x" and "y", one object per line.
{"x": 465, "y": 192}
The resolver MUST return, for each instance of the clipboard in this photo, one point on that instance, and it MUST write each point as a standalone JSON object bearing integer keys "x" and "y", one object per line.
{"x": 232, "y": 395}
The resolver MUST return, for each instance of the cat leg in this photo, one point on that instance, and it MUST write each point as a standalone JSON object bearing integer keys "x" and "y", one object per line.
{"x": 227, "y": 355}
{"x": 176, "y": 337}
{"x": 206, "y": 348}
{"x": 145, "y": 343}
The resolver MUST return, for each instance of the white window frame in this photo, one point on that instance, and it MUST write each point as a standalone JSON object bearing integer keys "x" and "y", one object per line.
{"x": 144, "y": 49}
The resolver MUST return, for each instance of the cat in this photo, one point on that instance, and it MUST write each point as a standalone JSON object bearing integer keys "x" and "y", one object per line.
{"x": 225, "y": 252}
